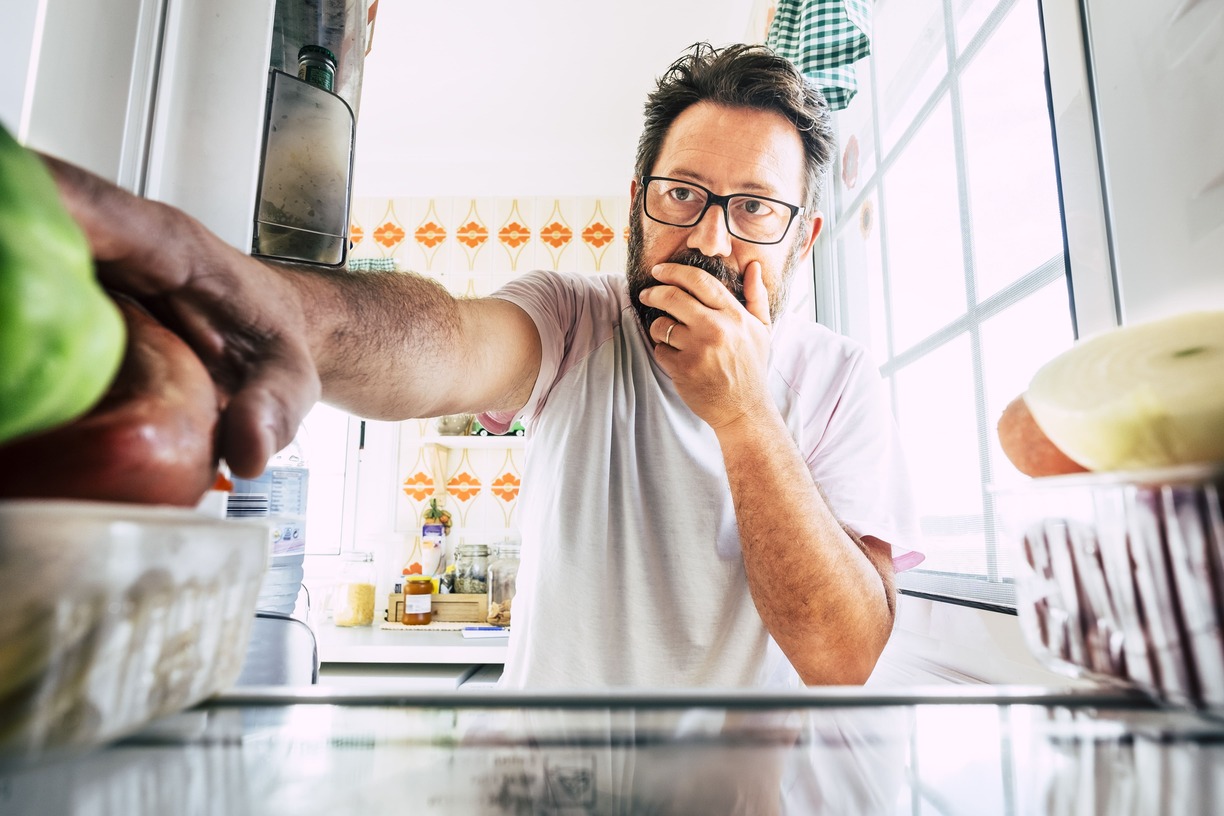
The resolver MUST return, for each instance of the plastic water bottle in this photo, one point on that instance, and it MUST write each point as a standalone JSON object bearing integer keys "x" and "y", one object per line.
{"x": 279, "y": 494}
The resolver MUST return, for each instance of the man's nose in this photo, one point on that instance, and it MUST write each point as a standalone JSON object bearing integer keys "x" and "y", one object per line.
{"x": 709, "y": 236}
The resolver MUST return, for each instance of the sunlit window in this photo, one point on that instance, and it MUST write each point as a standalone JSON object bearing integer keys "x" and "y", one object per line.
{"x": 944, "y": 254}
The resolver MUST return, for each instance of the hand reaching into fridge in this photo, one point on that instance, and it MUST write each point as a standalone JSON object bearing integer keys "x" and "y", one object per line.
{"x": 243, "y": 318}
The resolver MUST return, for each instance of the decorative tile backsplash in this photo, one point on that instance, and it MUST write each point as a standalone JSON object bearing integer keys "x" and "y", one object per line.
{"x": 473, "y": 246}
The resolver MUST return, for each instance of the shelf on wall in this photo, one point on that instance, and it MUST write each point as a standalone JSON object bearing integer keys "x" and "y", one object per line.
{"x": 474, "y": 442}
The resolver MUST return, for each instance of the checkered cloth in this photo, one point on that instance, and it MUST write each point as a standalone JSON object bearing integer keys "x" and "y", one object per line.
{"x": 371, "y": 264}
{"x": 823, "y": 38}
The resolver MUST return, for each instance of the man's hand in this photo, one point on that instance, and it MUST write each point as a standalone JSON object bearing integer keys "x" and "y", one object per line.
{"x": 243, "y": 318}
{"x": 715, "y": 350}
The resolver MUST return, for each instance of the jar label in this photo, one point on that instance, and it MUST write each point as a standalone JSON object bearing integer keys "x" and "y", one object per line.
{"x": 417, "y": 604}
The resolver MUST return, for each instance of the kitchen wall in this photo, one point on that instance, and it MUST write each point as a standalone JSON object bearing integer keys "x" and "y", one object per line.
{"x": 473, "y": 246}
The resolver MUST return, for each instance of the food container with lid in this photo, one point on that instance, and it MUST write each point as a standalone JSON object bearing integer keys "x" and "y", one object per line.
{"x": 1120, "y": 577}
{"x": 353, "y": 596}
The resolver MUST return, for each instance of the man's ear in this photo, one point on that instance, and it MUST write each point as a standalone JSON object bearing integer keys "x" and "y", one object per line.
{"x": 815, "y": 224}
{"x": 632, "y": 188}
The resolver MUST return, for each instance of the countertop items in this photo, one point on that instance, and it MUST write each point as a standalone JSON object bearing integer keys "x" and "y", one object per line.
{"x": 835, "y": 750}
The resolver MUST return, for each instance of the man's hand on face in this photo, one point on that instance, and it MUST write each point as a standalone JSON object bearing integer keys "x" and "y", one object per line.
{"x": 715, "y": 350}
{"x": 243, "y": 319}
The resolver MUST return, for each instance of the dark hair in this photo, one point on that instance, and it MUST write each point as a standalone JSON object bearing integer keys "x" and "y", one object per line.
{"x": 746, "y": 76}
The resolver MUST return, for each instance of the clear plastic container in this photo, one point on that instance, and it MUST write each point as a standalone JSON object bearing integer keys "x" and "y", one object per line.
{"x": 353, "y": 597}
{"x": 1120, "y": 577}
{"x": 114, "y": 614}
{"x": 472, "y": 569}
{"x": 503, "y": 573}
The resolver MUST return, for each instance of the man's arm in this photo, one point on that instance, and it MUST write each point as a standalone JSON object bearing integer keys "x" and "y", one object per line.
{"x": 277, "y": 338}
{"x": 826, "y": 598}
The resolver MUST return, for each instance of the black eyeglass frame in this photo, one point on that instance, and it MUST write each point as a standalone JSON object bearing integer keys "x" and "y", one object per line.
{"x": 712, "y": 199}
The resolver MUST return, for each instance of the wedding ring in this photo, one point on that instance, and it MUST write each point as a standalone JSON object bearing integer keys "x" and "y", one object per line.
{"x": 667, "y": 337}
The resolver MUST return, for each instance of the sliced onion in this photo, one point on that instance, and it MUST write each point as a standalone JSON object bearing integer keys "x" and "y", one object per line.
{"x": 1142, "y": 396}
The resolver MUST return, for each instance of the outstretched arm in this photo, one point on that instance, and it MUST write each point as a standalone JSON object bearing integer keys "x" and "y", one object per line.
{"x": 276, "y": 338}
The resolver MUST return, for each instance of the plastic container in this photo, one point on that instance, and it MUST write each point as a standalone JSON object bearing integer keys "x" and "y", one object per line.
{"x": 353, "y": 596}
{"x": 114, "y": 614}
{"x": 279, "y": 496}
{"x": 472, "y": 569}
{"x": 418, "y": 600}
{"x": 503, "y": 572}
{"x": 1120, "y": 577}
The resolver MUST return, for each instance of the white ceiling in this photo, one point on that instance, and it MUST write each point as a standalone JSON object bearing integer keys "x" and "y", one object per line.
{"x": 535, "y": 97}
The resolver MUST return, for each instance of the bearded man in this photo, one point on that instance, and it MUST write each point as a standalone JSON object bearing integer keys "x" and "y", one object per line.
{"x": 714, "y": 492}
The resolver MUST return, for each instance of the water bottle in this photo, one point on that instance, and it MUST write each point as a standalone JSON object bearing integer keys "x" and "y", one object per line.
{"x": 279, "y": 495}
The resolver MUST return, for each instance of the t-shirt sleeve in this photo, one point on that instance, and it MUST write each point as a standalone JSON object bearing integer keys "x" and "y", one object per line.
{"x": 571, "y": 313}
{"x": 861, "y": 467}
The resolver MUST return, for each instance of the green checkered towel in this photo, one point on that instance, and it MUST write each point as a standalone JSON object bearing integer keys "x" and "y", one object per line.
{"x": 823, "y": 38}
{"x": 371, "y": 264}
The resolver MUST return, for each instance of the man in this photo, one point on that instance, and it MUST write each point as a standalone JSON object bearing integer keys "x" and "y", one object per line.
{"x": 711, "y": 491}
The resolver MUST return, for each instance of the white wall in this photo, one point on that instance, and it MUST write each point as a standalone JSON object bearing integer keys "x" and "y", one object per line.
{"x": 540, "y": 97}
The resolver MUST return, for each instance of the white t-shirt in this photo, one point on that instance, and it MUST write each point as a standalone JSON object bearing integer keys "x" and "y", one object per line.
{"x": 631, "y": 573}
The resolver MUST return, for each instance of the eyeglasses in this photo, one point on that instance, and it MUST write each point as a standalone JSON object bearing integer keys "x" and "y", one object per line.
{"x": 752, "y": 218}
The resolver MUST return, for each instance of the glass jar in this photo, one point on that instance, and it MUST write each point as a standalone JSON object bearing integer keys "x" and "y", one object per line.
{"x": 503, "y": 572}
{"x": 418, "y": 601}
{"x": 353, "y": 597}
{"x": 472, "y": 569}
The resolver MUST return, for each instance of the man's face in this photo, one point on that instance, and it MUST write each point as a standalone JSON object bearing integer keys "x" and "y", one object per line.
{"x": 727, "y": 150}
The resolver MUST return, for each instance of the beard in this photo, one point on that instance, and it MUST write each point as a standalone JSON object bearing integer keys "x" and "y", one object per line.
{"x": 640, "y": 278}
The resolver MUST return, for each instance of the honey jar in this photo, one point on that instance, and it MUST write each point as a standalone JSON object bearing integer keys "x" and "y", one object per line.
{"x": 418, "y": 600}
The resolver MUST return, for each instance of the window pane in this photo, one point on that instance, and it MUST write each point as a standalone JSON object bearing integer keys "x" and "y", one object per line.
{"x": 910, "y": 56}
{"x": 922, "y": 228}
{"x": 862, "y": 292}
{"x": 936, "y": 415}
{"x": 1009, "y": 155}
{"x": 1015, "y": 343}
{"x": 856, "y": 161}
{"x": 969, "y": 16}
{"x": 324, "y": 440}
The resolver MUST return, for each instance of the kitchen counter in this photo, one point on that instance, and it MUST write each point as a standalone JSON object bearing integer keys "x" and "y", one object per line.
{"x": 369, "y": 644}
{"x": 831, "y": 751}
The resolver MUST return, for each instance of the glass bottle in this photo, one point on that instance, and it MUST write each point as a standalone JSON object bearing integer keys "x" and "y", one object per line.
{"x": 503, "y": 572}
{"x": 472, "y": 569}
{"x": 418, "y": 601}
{"x": 317, "y": 65}
{"x": 353, "y": 597}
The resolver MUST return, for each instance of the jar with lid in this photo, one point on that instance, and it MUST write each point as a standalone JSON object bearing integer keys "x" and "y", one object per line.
{"x": 472, "y": 569}
{"x": 353, "y": 597}
{"x": 503, "y": 572}
{"x": 418, "y": 601}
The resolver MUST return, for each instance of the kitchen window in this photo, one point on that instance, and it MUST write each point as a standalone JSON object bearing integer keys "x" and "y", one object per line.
{"x": 943, "y": 252}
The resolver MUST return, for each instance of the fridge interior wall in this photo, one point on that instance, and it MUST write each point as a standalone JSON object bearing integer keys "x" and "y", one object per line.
{"x": 164, "y": 97}
{"x": 1135, "y": 92}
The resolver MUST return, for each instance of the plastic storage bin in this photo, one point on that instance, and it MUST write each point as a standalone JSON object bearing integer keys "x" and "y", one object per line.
{"x": 114, "y": 614}
{"x": 1120, "y": 577}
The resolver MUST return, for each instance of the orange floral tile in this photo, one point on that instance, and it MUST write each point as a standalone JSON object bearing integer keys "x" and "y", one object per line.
{"x": 472, "y": 234}
{"x": 389, "y": 235}
{"x": 463, "y": 486}
{"x": 514, "y": 235}
{"x": 356, "y": 233}
{"x": 556, "y": 235}
{"x": 430, "y": 234}
{"x": 598, "y": 235}
{"x": 419, "y": 486}
{"x": 506, "y": 487}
